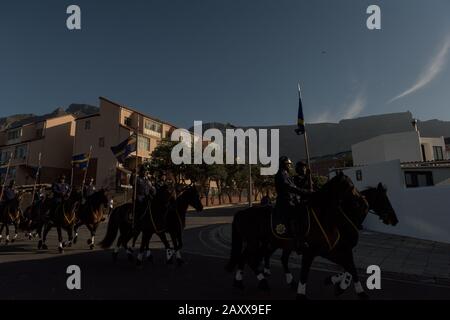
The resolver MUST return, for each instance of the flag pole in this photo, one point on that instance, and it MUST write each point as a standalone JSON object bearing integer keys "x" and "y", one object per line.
{"x": 36, "y": 178}
{"x": 86, "y": 170}
{"x": 6, "y": 176}
{"x": 305, "y": 136}
{"x": 136, "y": 171}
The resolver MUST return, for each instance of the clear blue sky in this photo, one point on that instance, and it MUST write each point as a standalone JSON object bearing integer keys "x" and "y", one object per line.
{"x": 228, "y": 60}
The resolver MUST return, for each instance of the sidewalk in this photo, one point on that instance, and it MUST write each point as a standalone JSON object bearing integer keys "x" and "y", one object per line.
{"x": 404, "y": 257}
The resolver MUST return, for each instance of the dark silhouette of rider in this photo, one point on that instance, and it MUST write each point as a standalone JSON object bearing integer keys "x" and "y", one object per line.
{"x": 89, "y": 189}
{"x": 61, "y": 191}
{"x": 288, "y": 195}
{"x": 145, "y": 192}
{"x": 9, "y": 193}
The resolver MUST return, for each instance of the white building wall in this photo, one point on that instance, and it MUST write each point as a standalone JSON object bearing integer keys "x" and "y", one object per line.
{"x": 404, "y": 146}
{"x": 422, "y": 212}
{"x": 429, "y": 143}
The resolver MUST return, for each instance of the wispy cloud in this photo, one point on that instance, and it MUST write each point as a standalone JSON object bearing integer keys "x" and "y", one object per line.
{"x": 356, "y": 107}
{"x": 435, "y": 66}
{"x": 350, "y": 111}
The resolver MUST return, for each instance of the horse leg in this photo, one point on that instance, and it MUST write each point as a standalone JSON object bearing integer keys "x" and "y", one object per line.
{"x": 91, "y": 241}
{"x": 60, "y": 239}
{"x": 255, "y": 257}
{"x": 7, "y": 233}
{"x": 75, "y": 231}
{"x": 346, "y": 260}
{"x": 47, "y": 228}
{"x": 1, "y": 232}
{"x": 16, "y": 227}
{"x": 146, "y": 236}
{"x": 169, "y": 250}
{"x": 178, "y": 245}
{"x": 268, "y": 253}
{"x": 307, "y": 260}
{"x": 70, "y": 235}
{"x": 117, "y": 249}
{"x": 287, "y": 272}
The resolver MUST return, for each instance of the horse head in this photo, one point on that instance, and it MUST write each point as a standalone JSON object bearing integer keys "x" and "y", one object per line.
{"x": 194, "y": 198}
{"x": 381, "y": 205}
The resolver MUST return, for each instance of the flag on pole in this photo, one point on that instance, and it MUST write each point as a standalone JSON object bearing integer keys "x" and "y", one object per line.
{"x": 125, "y": 148}
{"x": 300, "y": 118}
{"x": 80, "y": 161}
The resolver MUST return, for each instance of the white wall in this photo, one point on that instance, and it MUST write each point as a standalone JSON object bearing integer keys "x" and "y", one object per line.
{"x": 429, "y": 143}
{"x": 422, "y": 212}
{"x": 404, "y": 146}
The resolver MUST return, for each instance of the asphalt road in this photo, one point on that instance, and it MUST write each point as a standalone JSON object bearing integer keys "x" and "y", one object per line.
{"x": 26, "y": 273}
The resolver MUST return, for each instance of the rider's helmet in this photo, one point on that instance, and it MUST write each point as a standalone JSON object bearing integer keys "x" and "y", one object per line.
{"x": 285, "y": 162}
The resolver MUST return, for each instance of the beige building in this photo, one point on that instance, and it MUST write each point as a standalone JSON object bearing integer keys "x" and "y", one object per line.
{"x": 51, "y": 136}
{"x": 112, "y": 125}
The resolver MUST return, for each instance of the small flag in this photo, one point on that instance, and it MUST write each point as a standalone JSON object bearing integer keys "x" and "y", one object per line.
{"x": 80, "y": 161}
{"x": 300, "y": 119}
{"x": 125, "y": 148}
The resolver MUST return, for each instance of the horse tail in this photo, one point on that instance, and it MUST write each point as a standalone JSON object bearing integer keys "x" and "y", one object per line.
{"x": 236, "y": 244}
{"x": 113, "y": 228}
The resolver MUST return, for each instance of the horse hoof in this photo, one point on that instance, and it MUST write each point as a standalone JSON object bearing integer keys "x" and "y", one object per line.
{"x": 89, "y": 242}
{"x": 69, "y": 244}
{"x": 180, "y": 262}
{"x": 44, "y": 247}
{"x": 61, "y": 250}
{"x": 263, "y": 285}
{"x": 64, "y": 244}
{"x": 75, "y": 240}
{"x": 238, "y": 284}
{"x": 40, "y": 245}
{"x": 301, "y": 297}
{"x": 363, "y": 296}
{"x": 327, "y": 281}
{"x": 13, "y": 240}
{"x": 92, "y": 246}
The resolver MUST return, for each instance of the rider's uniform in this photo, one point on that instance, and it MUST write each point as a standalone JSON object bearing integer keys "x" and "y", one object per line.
{"x": 144, "y": 194}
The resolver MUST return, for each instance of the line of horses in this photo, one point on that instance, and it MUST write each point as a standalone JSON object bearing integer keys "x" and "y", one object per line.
{"x": 163, "y": 215}
{"x": 333, "y": 220}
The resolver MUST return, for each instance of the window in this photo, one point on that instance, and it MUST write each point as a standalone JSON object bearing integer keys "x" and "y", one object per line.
{"x": 128, "y": 122}
{"x": 153, "y": 126}
{"x": 101, "y": 142}
{"x": 39, "y": 133}
{"x": 438, "y": 153}
{"x": 416, "y": 179}
{"x": 20, "y": 152}
{"x": 144, "y": 144}
{"x": 14, "y": 134}
{"x": 87, "y": 125}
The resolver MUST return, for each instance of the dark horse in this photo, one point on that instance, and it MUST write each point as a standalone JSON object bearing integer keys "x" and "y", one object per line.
{"x": 91, "y": 214}
{"x": 148, "y": 222}
{"x": 36, "y": 216}
{"x": 10, "y": 213}
{"x": 62, "y": 216}
{"x": 327, "y": 235}
{"x": 176, "y": 222}
{"x": 379, "y": 205}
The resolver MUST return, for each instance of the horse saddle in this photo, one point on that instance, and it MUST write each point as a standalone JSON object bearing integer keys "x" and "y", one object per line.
{"x": 279, "y": 224}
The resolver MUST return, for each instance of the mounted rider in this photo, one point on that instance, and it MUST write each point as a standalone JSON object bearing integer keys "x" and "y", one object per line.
{"x": 287, "y": 202}
{"x": 89, "y": 189}
{"x": 145, "y": 191}
{"x": 9, "y": 193}
{"x": 61, "y": 191}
